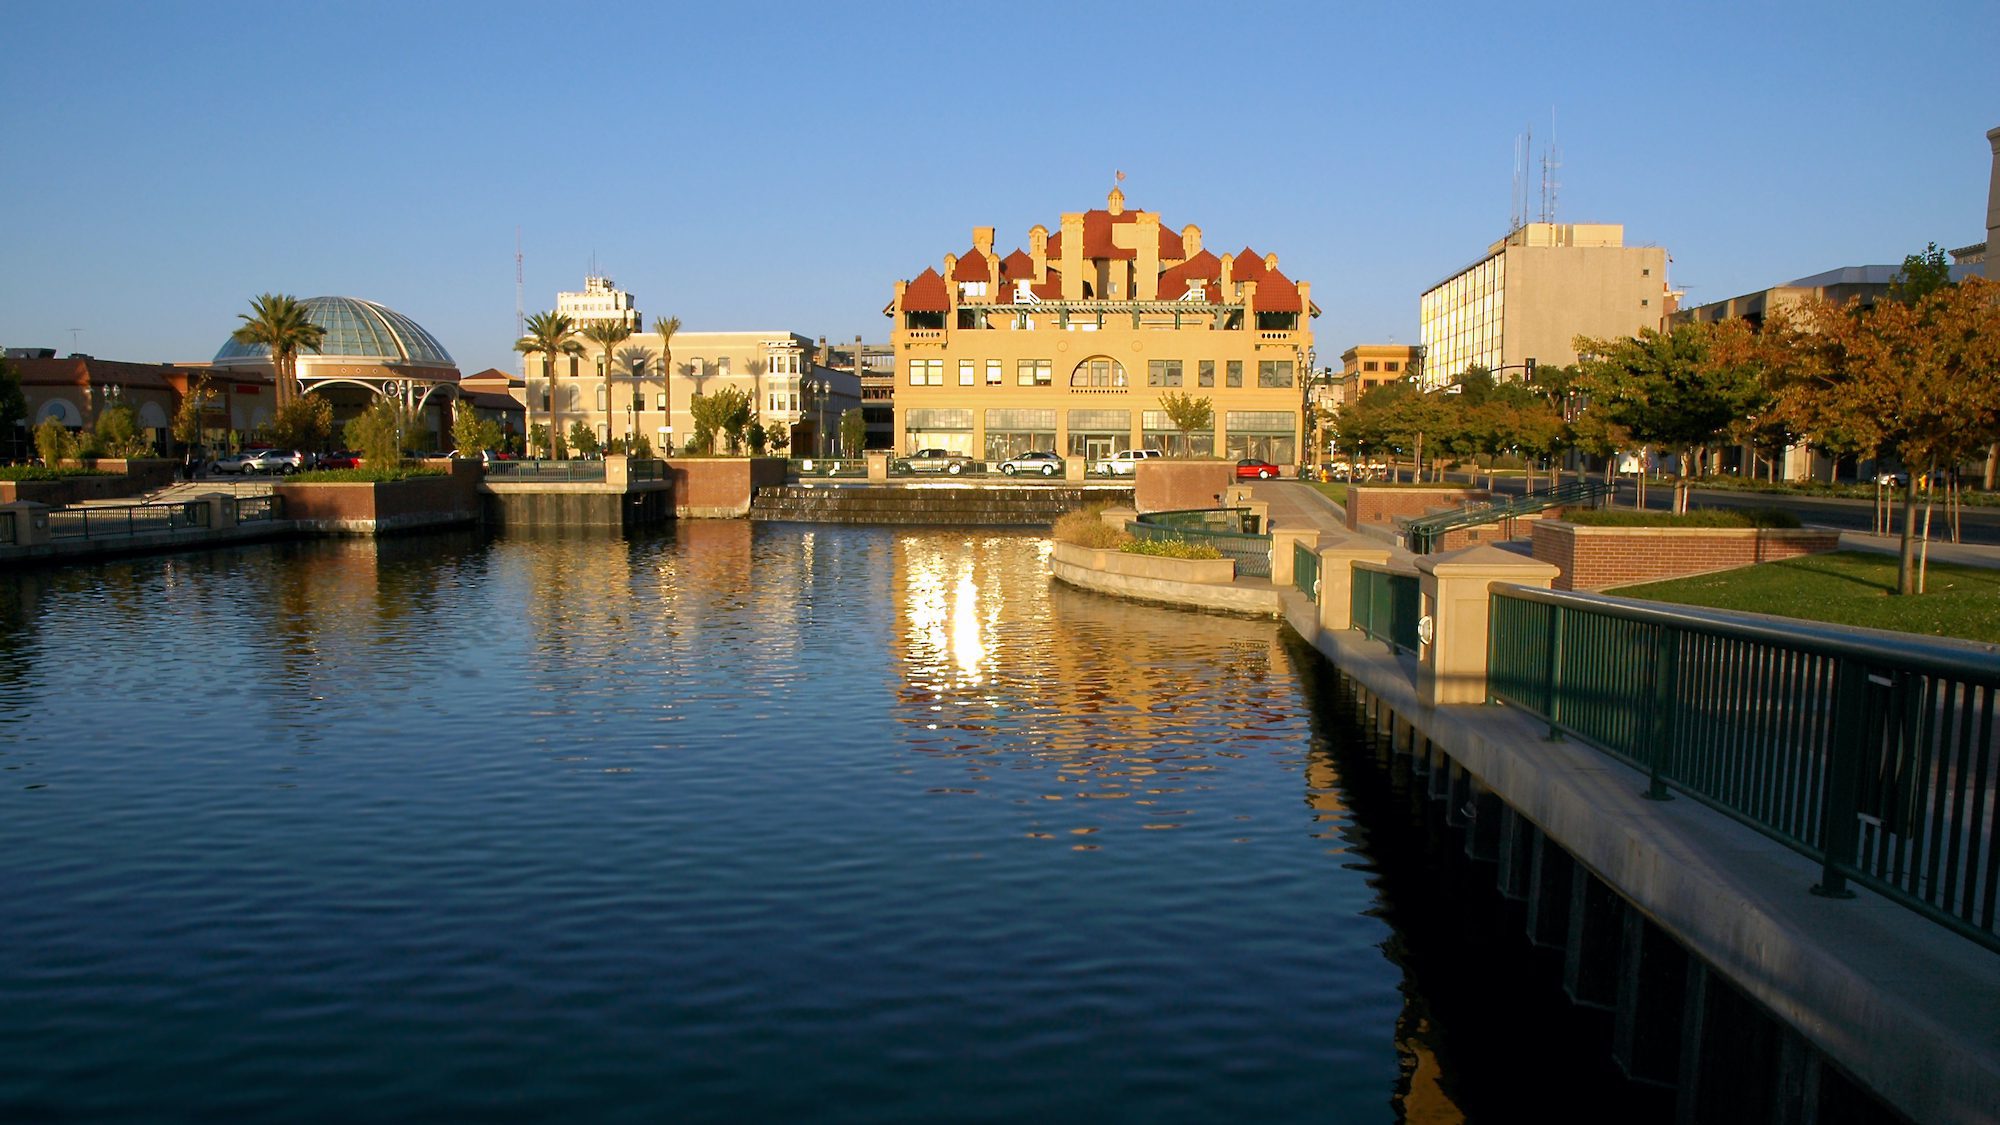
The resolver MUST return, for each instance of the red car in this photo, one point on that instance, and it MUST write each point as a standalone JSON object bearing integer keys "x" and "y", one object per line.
{"x": 1252, "y": 469}
{"x": 340, "y": 459}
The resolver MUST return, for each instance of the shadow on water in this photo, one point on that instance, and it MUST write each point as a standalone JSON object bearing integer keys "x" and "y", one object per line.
{"x": 1486, "y": 1033}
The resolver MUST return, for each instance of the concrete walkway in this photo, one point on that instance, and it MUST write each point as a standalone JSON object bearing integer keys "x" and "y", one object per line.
{"x": 1965, "y": 554}
{"x": 1298, "y": 504}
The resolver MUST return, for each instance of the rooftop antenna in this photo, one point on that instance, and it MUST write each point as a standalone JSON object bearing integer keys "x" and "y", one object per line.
{"x": 1517, "y": 217}
{"x": 74, "y": 347}
{"x": 1551, "y": 162}
{"x": 520, "y": 309}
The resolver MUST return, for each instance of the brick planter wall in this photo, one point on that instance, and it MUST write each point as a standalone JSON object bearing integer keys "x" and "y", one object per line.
{"x": 373, "y": 509}
{"x": 720, "y": 487}
{"x": 1171, "y": 485}
{"x": 1387, "y": 505}
{"x": 1595, "y": 558}
{"x": 124, "y": 478}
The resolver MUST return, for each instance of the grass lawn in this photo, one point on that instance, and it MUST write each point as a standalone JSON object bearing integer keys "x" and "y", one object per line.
{"x": 1847, "y": 588}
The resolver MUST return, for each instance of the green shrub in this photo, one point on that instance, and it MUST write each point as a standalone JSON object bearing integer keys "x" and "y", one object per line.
{"x": 39, "y": 472}
{"x": 1701, "y": 517}
{"x": 1085, "y": 527}
{"x": 1171, "y": 549}
{"x": 365, "y": 475}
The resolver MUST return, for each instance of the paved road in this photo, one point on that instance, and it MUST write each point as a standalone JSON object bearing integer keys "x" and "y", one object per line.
{"x": 1978, "y": 525}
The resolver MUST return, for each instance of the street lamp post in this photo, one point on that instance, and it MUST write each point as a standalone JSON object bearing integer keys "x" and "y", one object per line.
{"x": 819, "y": 387}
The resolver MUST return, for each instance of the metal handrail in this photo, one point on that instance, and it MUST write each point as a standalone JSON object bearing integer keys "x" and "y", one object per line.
{"x": 1878, "y": 757}
{"x": 581, "y": 470}
{"x": 1305, "y": 570}
{"x": 1385, "y": 604}
{"x": 1426, "y": 532}
{"x": 1221, "y": 528}
{"x": 114, "y": 521}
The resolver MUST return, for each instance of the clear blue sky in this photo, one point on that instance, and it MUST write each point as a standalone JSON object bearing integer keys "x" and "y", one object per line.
{"x": 781, "y": 165}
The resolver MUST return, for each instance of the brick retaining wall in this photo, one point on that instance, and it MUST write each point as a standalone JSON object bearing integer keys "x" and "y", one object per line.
{"x": 1596, "y": 558}
{"x": 1387, "y": 505}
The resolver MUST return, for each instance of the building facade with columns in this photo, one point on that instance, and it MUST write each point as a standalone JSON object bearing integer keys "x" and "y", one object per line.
{"x": 1071, "y": 344}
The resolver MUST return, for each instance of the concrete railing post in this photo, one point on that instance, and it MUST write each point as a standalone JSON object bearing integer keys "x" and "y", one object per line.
{"x": 1457, "y": 600}
{"x": 221, "y": 509}
{"x": 1336, "y": 581}
{"x": 878, "y": 466}
{"x": 1282, "y": 556}
{"x": 617, "y": 470}
{"x": 31, "y": 522}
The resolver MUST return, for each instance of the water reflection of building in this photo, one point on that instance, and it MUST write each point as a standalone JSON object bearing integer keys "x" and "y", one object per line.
{"x": 1096, "y": 704}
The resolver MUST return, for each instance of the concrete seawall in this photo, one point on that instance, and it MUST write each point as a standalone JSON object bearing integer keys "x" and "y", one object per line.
{"x": 1905, "y": 1007}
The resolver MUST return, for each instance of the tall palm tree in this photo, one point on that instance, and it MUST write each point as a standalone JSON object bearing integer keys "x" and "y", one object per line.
{"x": 549, "y": 334}
{"x": 607, "y": 334}
{"x": 278, "y": 321}
{"x": 666, "y": 327}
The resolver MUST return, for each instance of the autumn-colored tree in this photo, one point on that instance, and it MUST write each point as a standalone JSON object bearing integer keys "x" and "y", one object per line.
{"x": 1920, "y": 380}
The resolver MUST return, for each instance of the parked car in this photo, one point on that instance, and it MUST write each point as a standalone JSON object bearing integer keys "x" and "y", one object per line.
{"x": 340, "y": 459}
{"x": 1044, "y": 462}
{"x": 932, "y": 461}
{"x": 1252, "y": 469}
{"x": 278, "y": 461}
{"x": 1124, "y": 461}
{"x": 232, "y": 462}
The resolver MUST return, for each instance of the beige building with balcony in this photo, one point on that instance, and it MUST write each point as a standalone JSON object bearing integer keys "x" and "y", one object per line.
{"x": 1533, "y": 292}
{"x": 1070, "y": 344}
{"x": 781, "y": 372}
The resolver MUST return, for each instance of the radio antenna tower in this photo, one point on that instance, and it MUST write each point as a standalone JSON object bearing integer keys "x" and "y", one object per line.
{"x": 1517, "y": 216}
{"x": 520, "y": 309}
{"x": 1551, "y": 163}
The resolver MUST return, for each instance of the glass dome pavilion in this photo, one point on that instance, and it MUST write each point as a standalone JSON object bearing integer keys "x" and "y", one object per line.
{"x": 357, "y": 331}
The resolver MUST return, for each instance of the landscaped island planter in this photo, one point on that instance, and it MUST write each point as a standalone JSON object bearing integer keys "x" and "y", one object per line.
{"x": 1194, "y": 583}
{"x": 366, "y": 508}
{"x": 1594, "y": 558}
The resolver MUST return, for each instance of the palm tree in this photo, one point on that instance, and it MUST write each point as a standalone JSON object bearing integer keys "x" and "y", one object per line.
{"x": 666, "y": 327}
{"x": 607, "y": 334}
{"x": 279, "y": 322}
{"x": 549, "y": 334}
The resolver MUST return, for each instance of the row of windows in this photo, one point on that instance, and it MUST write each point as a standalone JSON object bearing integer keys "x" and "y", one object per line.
{"x": 1386, "y": 365}
{"x": 1098, "y": 372}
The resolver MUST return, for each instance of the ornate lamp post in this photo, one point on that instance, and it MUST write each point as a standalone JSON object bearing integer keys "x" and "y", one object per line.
{"x": 819, "y": 387}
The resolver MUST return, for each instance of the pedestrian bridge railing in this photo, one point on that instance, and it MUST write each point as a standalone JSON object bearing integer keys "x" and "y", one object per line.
{"x": 107, "y": 521}
{"x": 1387, "y": 604}
{"x": 1877, "y": 757}
{"x": 588, "y": 471}
{"x": 1225, "y": 529}
{"x": 1305, "y": 569}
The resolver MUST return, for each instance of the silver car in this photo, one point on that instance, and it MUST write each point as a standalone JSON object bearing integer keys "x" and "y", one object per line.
{"x": 1044, "y": 462}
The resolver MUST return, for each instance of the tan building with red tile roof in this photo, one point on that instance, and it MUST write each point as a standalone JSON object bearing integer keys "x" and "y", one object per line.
{"x": 1071, "y": 344}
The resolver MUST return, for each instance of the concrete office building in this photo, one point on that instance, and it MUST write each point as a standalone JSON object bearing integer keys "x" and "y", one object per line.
{"x": 1071, "y": 344}
{"x": 1533, "y": 292}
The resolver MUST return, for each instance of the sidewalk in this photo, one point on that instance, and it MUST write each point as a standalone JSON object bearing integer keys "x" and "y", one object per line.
{"x": 1965, "y": 554}
{"x": 1298, "y": 504}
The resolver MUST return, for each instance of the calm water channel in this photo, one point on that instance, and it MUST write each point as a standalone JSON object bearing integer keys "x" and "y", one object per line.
{"x": 729, "y": 822}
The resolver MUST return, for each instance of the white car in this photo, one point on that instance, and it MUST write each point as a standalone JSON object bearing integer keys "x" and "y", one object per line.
{"x": 1125, "y": 461}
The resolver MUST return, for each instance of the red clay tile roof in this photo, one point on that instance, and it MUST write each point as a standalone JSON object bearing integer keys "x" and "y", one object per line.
{"x": 78, "y": 371}
{"x": 1016, "y": 266}
{"x": 1171, "y": 246}
{"x": 1174, "y": 279}
{"x": 927, "y": 294}
{"x": 1277, "y": 293}
{"x": 1050, "y": 290}
{"x": 972, "y": 267}
{"x": 1097, "y": 241}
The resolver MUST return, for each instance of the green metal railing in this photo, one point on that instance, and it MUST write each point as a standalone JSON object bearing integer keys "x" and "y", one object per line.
{"x": 642, "y": 468}
{"x": 1876, "y": 757}
{"x": 1386, "y": 605}
{"x": 109, "y": 521}
{"x": 1305, "y": 570}
{"x": 546, "y": 470}
{"x": 1221, "y": 528}
{"x": 1426, "y": 533}
{"x": 253, "y": 509}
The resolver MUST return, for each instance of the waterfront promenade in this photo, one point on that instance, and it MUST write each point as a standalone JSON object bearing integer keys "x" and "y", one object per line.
{"x": 1896, "y": 1001}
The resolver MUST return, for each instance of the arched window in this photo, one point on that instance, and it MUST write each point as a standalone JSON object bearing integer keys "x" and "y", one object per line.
{"x": 1098, "y": 371}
